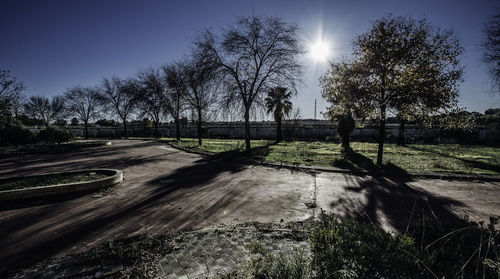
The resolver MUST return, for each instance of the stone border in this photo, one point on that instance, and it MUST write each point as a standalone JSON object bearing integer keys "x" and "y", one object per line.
{"x": 116, "y": 176}
{"x": 446, "y": 176}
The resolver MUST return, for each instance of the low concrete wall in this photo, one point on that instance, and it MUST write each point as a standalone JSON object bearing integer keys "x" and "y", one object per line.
{"x": 302, "y": 130}
{"x": 116, "y": 176}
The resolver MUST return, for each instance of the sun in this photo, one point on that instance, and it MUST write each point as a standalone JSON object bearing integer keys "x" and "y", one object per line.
{"x": 319, "y": 51}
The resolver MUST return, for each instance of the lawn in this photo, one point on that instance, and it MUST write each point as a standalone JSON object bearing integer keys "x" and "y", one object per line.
{"x": 418, "y": 158}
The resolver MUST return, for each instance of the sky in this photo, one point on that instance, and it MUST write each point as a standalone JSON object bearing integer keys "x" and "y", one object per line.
{"x": 53, "y": 45}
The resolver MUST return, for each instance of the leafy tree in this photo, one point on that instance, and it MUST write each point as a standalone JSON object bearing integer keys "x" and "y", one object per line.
{"x": 401, "y": 65}
{"x": 120, "y": 97}
{"x": 278, "y": 102}
{"x": 74, "y": 121}
{"x": 201, "y": 89}
{"x": 48, "y": 110}
{"x": 254, "y": 55}
{"x": 176, "y": 90}
{"x": 151, "y": 96}
{"x": 491, "y": 47}
{"x": 84, "y": 102}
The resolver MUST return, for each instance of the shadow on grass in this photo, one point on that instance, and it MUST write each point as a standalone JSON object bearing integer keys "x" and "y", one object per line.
{"x": 356, "y": 162}
{"x": 470, "y": 163}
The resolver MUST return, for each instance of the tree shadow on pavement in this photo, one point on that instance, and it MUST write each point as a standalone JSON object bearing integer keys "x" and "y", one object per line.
{"x": 123, "y": 218}
{"x": 391, "y": 203}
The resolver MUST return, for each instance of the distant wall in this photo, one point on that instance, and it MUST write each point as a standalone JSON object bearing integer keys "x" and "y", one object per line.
{"x": 303, "y": 130}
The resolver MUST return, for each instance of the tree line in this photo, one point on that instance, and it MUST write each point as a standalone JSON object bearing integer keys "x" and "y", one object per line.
{"x": 232, "y": 71}
{"x": 401, "y": 66}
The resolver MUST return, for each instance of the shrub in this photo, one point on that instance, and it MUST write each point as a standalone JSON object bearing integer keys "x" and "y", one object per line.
{"x": 353, "y": 249}
{"x": 263, "y": 265}
{"x": 53, "y": 135}
{"x": 463, "y": 250}
{"x": 15, "y": 134}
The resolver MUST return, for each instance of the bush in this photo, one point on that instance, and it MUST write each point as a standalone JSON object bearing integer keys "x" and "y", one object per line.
{"x": 15, "y": 134}
{"x": 351, "y": 249}
{"x": 263, "y": 265}
{"x": 463, "y": 250}
{"x": 53, "y": 135}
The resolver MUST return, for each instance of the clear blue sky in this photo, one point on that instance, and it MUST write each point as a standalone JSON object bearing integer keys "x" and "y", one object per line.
{"x": 52, "y": 45}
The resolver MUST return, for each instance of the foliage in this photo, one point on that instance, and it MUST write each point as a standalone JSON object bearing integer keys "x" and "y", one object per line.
{"x": 356, "y": 249}
{"x": 13, "y": 133}
{"x": 400, "y": 65}
{"x": 361, "y": 250}
{"x": 278, "y": 102}
{"x": 106, "y": 123}
{"x": 463, "y": 250}
{"x": 263, "y": 265}
{"x": 53, "y": 135}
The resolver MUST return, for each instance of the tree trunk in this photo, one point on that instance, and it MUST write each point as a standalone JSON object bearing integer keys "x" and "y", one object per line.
{"x": 125, "y": 127}
{"x": 247, "y": 129}
{"x": 177, "y": 128}
{"x": 157, "y": 133}
{"x": 381, "y": 135}
{"x": 345, "y": 142}
{"x": 199, "y": 127}
{"x": 86, "y": 125}
{"x": 401, "y": 136}
{"x": 278, "y": 129}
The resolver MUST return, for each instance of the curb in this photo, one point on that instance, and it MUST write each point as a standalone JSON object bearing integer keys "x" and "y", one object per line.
{"x": 304, "y": 168}
{"x": 116, "y": 176}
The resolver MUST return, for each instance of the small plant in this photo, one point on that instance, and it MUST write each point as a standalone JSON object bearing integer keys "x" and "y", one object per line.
{"x": 53, "y": 135}
{"x": 263, "y": 265}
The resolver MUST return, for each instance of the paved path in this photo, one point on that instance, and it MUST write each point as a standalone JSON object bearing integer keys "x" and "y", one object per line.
{"x": 166, "y": 190}
{"x": 203, "y": 255}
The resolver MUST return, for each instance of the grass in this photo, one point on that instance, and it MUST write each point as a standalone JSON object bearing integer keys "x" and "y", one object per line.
{"x": 37, "y": 181}
{"x": 416, "y": 158}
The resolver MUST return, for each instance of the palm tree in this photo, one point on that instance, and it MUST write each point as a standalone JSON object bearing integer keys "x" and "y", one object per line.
{"x": 278, "y": 102}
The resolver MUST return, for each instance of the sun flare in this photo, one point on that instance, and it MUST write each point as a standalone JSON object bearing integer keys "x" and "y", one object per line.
{"x": 320, "y": 51}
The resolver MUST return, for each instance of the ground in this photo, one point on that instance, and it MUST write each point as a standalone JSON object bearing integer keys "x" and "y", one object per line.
{"x": 167, "y": 190}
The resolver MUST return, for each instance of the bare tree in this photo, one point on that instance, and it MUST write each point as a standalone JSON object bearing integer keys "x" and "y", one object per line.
{"x": 120, "y": 97}
{"x": 255, "y": 54}
{"x": 83, "y": 102}
{"x": 201, "y": 90}
{"x": 10, "y": 92}
{"x": 491, "y": 47}
{"x": 41, "y": 107}
{"x": 176, "y": 90}
{"x": 151, "y": 95}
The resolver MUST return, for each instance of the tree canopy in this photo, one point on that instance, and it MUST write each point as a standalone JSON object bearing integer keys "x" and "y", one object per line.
{"x": 402, "y": 66}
